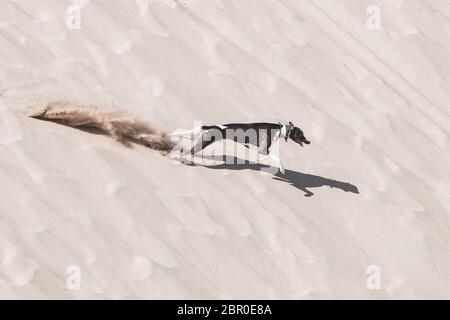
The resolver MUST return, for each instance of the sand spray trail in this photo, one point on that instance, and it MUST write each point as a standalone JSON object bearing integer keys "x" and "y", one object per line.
{"x": 118, "y": 125}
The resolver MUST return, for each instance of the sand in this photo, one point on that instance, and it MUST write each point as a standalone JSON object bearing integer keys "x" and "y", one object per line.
{"x": 368, "y": 197}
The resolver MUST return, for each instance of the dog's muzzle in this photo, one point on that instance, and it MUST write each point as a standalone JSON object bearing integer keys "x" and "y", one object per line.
{"x": 301, "y": 142}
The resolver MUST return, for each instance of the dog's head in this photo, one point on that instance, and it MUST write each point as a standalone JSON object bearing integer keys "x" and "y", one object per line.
{"x": 296, "y": 134}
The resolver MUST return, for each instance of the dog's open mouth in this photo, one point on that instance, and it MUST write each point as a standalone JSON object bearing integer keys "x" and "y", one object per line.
{"x": 302, "y": 142}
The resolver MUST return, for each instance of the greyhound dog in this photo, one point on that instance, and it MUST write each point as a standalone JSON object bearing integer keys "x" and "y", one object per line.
{"x": 260, "y": 135}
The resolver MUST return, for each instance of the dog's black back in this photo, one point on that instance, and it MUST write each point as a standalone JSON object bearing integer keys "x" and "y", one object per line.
{"x": 265, "y": 133}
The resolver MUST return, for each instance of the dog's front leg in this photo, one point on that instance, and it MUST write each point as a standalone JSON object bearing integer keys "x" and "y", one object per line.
{"x": 275, "y": 156}
{"x": 282, "y": 168}
{"x": 278, "y": 161}
{"x": 272, "y": 157}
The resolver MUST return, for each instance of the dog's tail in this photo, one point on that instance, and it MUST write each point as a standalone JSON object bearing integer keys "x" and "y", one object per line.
{"x": 185, "y": 133}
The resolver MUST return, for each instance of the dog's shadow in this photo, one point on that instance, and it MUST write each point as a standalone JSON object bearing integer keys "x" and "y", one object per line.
{"x": 299, "y": 180}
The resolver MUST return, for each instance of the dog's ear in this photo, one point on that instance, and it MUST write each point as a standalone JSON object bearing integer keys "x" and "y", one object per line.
{"x": 291, "y": 124}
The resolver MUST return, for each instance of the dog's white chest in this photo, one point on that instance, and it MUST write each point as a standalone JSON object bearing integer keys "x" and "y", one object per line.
{"x": 283, "y": 131}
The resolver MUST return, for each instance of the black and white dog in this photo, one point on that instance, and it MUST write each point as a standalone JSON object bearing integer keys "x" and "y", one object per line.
{"x": 261, "y": 135}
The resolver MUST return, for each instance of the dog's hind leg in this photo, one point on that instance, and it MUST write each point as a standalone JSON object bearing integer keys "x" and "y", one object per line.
{"x": 209, "y": 137}
{"x": 194, "y": 140}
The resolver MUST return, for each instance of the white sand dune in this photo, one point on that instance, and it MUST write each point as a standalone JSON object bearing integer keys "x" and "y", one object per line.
{"x": 372, "y": 189}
